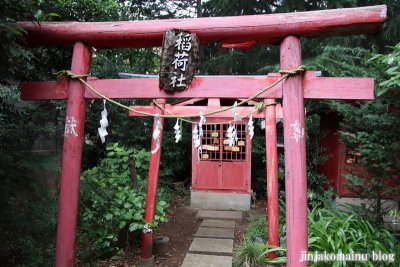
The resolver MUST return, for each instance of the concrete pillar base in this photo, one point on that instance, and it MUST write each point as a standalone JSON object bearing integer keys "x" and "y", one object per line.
{"x": 146, "y": 262}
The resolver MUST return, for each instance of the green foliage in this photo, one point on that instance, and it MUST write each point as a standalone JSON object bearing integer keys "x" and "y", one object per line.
{"x": 336, "y": 231}
{"x": 318, "y": 194}
{"x": 254, "y": 255}
{"x": 330, "y": 230}
{"x": 372, "y": 131}
{"x": 28, "y": 227}
{"x": 109, "y": 206}
{"x": 256, "y": 228}
{"x": 26, "y": 123}
{"x": 390, "y": 64}
{"x": 249, "y": 254}
{"x": 321, "y": 198}
{"x": 14, "y": 58}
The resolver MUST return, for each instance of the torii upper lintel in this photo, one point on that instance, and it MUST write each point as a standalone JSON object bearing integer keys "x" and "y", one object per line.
{"x": 228, "y": 31}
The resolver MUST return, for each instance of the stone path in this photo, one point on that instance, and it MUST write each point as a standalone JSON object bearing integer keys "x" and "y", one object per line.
{"x": 213, "y": 243}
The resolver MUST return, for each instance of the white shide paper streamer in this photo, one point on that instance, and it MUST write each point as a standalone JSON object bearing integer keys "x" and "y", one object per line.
{"x": 156, "y": 133}
{"x": 103, "y": 123}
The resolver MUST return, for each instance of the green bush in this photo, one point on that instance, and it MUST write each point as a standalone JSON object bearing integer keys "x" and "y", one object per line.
{"x": 336, "y": 231}
{"x": 254, "y": 255}
{"x": 256, "y": 228}
{"x": 251, "y": 254}
{"x": 329, "y": 230}
{"x": 109, "y": 207}
{"x": 28, "y": 229}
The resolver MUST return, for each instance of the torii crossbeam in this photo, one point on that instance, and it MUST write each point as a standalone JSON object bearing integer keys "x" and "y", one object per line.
{"x": 285, "y": 29}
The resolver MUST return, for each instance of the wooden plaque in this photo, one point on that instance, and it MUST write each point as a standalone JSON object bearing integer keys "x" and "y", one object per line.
{"x": 179, "y": 58}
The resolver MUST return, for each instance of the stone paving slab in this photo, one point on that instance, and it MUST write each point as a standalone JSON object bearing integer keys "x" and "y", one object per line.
{"x": 212, "y": 245}
{"x": 219, "y": 214}
{"x": 218, "y": 224}
{"x": 200, "y": 260}
{"x": 255, "y": 216}
{"x": 215, "y": 232}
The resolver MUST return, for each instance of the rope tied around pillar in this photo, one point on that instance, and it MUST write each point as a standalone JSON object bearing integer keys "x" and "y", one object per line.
{"x": 70, "y": 74}
{"x": 294, "y": 71}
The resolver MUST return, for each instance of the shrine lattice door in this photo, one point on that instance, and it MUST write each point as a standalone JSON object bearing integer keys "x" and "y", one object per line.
{"x": 221, "y": 167}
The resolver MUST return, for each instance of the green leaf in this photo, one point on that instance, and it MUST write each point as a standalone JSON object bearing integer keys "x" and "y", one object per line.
{"x": 53, "y": 15}
{"x": 106, "y": 243}
{"x": 392, "y": 70}
{"x": 127, "y": 205}
{"x": 122, "y": 224}
{"x": 138, "y": 216}
{"x": 162, "y": 203}
{"x": 133, "y": 227}
{"x": 39, "y": 15}
{"x": 160, "y": 209}
{"x": 109, "y": 216}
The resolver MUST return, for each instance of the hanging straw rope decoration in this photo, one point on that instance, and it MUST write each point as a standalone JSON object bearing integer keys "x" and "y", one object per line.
{"x": 258, "y": 106}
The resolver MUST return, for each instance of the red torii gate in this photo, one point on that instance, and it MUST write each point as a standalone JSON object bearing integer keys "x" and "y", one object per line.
{"x": 231, "y": 32}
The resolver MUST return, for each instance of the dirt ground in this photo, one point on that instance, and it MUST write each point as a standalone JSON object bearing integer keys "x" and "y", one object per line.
{"x": 180, "y": 229}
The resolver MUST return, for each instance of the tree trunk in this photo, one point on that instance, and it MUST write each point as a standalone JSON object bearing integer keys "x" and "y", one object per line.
{"x": 132, "y": 170}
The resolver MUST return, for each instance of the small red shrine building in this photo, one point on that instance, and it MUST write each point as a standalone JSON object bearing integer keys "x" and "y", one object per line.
{"x": 221, "y": 179}
{"x": 221, "y": 174}
{"x": 341, "y": 159}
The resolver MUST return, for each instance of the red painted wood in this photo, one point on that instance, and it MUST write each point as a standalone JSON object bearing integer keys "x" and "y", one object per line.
{"x": 337, "y": 88}
{"x": 71, "y": 160}
{"x": 330, "y": 143}
{"x": 189, "y": 101}
{"x": 193, "y": 110}
{"x": 236, "y": 175}
{"x": 272, "y": 176}
{"x": 208, "y": 173}
{"x": 222, "y": 175}
{"x": 152, "y": 185}
{"x": 210, "y": 87}
{"x": 260, "y": 29}
{"x": 295, "y": 154}
{"x": 336, "y": 167}
{"x": 45, "y": 90}
{"x": 202, "y": 86}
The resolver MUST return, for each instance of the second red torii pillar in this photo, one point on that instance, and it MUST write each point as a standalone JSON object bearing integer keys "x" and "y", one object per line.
{"x": 295, "y": 153}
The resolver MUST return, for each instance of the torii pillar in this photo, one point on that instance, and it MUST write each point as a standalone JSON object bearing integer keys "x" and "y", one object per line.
{"x": 72, "y": 158}
{"x": 295, "y": 152}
